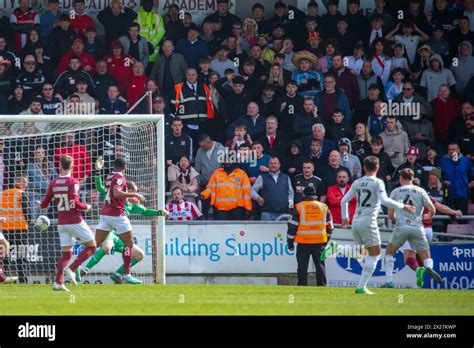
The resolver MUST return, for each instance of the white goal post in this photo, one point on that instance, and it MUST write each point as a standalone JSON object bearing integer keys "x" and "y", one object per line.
{"x": 155, "y": 123}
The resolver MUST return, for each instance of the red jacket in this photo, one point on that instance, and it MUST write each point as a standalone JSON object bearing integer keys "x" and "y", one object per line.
{"x": 136, "y": 87}
{"x": 85, "y": 58}
{"x": 333, "y": 200}
{"x": 81, "y": 22}
{"x": 445, "y": 112}
{"x": 82, "y": 160}
{"x": 120, "y": 68}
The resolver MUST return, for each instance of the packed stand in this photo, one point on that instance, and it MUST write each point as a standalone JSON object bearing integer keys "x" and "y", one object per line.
{"x": 292, "y": 98}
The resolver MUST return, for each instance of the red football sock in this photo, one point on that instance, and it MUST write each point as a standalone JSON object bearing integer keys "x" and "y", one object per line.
{"x": 412, "y": 262}
{"x": 127, "y": 258}
{"x": 62, "y": 263}
{"x": 419, "y": 260}
{"x": 83, "y": 256}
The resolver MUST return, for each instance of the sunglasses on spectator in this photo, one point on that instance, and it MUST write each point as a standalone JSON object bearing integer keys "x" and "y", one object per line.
{"x": 407, "y": 89}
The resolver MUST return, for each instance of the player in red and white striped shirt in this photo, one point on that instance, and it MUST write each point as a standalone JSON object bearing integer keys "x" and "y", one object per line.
{"x": 181, "y": 210}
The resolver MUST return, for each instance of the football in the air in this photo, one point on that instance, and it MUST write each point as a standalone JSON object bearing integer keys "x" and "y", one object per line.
{"x": 42, "y": 223}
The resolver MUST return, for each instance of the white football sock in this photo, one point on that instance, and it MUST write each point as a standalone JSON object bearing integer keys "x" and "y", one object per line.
{"x": 428, "y": 263}
{"x": 369, "y": 267}
{"x": 389, "y": 263}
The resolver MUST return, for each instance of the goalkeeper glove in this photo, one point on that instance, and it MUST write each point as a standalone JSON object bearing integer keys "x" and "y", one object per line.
{"x": 163, "y": 213}
{"x": 99, "y": 163}
{"x": 291, "y": 244}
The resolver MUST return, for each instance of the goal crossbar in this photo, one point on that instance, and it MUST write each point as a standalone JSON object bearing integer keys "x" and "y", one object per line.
{"x": 82, "y": 118}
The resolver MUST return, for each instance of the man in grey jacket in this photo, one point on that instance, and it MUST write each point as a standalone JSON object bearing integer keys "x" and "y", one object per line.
{"x": 134, "y": 45}
{"x": 207, "y": 157}
{"x": 436, "y": 76}
{"x": 463, "y": 66}
{"x": 169, "y": 69}
{"x": 207, "y": 162}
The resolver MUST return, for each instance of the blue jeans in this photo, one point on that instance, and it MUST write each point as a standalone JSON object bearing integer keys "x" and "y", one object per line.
{"x": 269, "y": 216}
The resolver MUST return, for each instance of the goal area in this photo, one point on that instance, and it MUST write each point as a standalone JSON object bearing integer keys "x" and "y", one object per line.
{"x": 30, "y": 148}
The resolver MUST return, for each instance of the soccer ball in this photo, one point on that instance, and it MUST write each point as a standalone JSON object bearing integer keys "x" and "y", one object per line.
{"x": 42, "y": 223}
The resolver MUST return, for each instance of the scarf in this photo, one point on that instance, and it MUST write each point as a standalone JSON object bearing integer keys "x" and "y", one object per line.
{"x": 184, "y": 177}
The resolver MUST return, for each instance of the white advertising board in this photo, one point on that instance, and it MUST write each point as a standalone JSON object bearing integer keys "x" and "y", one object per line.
{"x": 244, "y": 249}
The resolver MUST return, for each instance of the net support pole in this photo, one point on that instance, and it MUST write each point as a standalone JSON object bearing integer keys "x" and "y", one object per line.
{"x": 161, "y": 187}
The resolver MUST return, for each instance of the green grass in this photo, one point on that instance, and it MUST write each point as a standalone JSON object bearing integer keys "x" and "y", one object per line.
{"x": 229, "y": 300}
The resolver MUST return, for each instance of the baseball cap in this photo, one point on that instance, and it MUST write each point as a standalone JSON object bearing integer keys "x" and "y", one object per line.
{"x": 412, "y": 150}
{"x": 116, "y": 43}
{"x": 309, "y": 191}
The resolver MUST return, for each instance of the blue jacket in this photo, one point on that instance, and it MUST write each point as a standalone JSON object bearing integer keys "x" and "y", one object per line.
{"x": 458, "y": 173}
{"x": 192, "y": 52}
{"x": 376, "y": 126}
{"x": 342, "y": 103}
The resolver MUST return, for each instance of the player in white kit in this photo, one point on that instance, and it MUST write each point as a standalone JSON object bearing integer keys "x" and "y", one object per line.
{"x": 409, "y": 226}
{"x": 371, "y": 193}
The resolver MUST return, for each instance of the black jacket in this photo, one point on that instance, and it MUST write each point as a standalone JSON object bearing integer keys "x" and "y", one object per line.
{"x": 102, "y": 84}
{"x": 115, "y": 26}
{"x": 303, "y": 123}
{"x": 234, "y": 104}
{"x": 279, "y": 148}
{"x": 66, "y": 82}
{"x": 386, "y": 167}
{"x": 417, "y": 168}
{"x": 59, "y": 43}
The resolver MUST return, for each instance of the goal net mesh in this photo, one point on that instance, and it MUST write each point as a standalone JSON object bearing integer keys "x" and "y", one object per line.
{"x": 32, "y": 150}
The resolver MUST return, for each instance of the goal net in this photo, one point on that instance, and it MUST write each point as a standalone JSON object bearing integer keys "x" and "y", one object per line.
{"x": 30, "y": 148}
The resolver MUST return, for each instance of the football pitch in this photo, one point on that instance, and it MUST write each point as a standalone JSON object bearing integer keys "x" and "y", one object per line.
{"x": 229, "y": 300}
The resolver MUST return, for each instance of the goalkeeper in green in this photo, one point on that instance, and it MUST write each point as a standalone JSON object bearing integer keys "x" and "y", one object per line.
{"x": 113, "y": 241}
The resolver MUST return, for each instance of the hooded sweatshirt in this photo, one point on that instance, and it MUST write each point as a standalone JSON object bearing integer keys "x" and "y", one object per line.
{"x": 431, "y": 79}
{"x": 396, "y": 141}
{"x": 350, "y": 161}
{"x": 464, "y": 69}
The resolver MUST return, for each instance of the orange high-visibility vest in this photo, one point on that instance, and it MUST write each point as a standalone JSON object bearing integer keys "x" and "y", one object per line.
{"x": 180, "y": 99}
{"x": 228, "y": 192}
{"x": 312, "y": 224}
{"x": 10, "y": 207}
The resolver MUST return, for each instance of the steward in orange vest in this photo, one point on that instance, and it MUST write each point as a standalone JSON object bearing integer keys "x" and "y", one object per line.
{"x": 15, "y": 207}
{"x": 193, "y": 104}
{"x": 229, "y": 191}
{"x": 311, "y": 228}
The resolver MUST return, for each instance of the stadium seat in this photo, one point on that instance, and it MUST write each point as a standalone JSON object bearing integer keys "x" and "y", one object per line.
{"x": 460, "y": 229}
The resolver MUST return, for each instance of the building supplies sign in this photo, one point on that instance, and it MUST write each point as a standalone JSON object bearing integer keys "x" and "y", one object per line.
{"x": 245, "y": 249}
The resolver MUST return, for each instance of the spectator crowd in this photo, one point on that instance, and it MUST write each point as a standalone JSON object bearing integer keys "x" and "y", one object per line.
{"x": 301, "y": 98}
